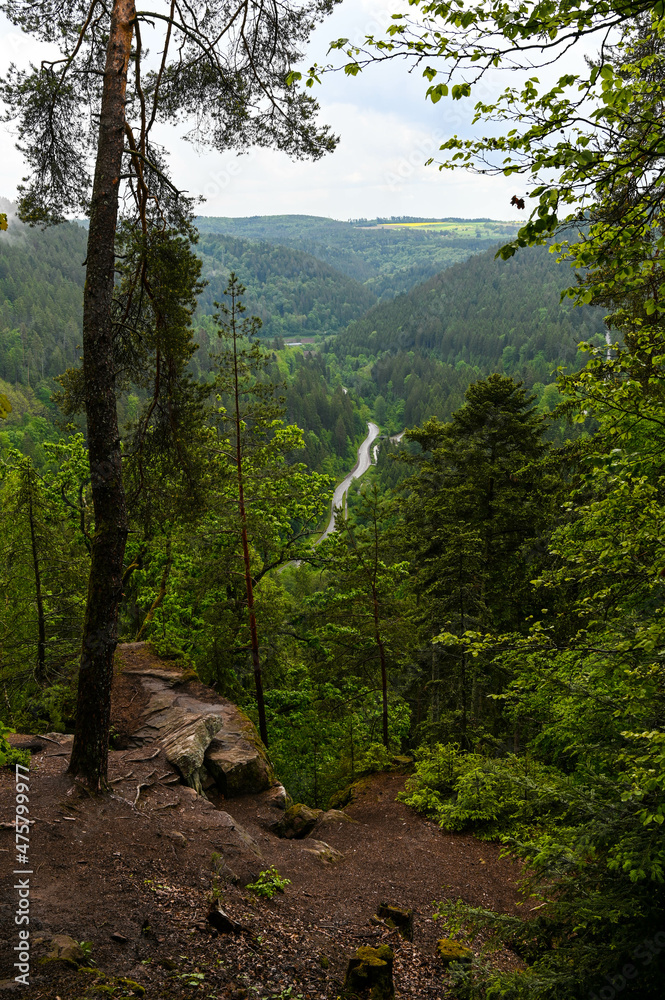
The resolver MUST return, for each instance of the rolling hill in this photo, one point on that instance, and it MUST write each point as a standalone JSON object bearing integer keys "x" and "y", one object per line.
{"x": 293, "y": 293}
{"x": 388, "y": 259}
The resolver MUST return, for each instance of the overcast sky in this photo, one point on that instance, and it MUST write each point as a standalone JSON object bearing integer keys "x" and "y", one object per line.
{"x": 387, "y": 131}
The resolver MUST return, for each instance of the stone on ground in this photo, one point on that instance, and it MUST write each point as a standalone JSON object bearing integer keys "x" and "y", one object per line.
{"x": 449, "y": 951}
{"x": 324, "y": 852}
{"x": 63, "y": 948}
{"x": 334, "y": 816}
{"x": 298, "y": 820}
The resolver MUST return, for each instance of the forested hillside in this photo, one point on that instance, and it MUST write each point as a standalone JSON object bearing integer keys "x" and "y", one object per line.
{"x": 292, "y": 292}
{"x": 407, "y": 359}
{"x": 485, "y": 311}
{"x": 415, "y": 356}
{"x": 41, "y": 294}
{"x": 387, "y": 260}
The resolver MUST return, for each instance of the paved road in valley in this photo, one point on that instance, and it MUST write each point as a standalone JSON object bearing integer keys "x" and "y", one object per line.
{"x": 360, "y": 468}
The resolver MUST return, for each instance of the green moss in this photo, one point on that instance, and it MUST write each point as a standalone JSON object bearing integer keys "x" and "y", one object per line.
{"x": 135, "y": 987}
{"x": 188, "y": 674}
{"x": 61, "y": 961}
{"x": 452, "y": 951}
{"x": 370, "y": 973}
{"x": 349, "y": 794}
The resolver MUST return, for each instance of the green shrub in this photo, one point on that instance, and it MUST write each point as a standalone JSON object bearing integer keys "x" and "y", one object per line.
{"x": 375, "y": 758}
{"x": 9, "y": 755}
{"x": 494, "y": 796}
{"x": 269, "y": 883}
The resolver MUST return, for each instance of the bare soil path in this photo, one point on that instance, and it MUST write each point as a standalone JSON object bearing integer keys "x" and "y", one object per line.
{"x": 134, "y": 874}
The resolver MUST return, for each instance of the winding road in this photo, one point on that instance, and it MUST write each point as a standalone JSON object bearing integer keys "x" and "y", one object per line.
{"x": 359, "y": 469}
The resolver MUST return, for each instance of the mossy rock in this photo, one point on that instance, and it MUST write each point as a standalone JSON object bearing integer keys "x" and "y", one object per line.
{"x": 129, "y": 984}
{"x": 335, "y": 816}
{"x": 298, "y": 820}
{"x": 66, "y": 950}
{"x": 370, "y": 974}
{"x": 344, "y": 796}
{"x": 401, "y": 920}
{"x": 340, "y": 798}
{"x": 324, "y": 852}
{"x": 118, "y": 987}
{"x": 452, "y": 951}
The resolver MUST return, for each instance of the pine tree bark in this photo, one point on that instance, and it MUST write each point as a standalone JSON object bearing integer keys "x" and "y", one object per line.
{"x": 89, "y": 760}
{"x": 41, "y": 621}
{"x": 249, "y": 586}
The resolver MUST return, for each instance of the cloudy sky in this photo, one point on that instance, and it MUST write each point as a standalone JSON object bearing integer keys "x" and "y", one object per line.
{"x": 387, "y": 131}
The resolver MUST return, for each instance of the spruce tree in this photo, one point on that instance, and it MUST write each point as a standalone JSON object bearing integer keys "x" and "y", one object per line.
{"x": 273, "y": 506}
{"x": 474, "y": 511}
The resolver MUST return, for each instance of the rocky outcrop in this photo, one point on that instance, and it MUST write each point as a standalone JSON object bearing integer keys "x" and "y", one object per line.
{"x": 236, "y": 759}
{"x": 278, "y": 798}
{"x": 208, "y": 740}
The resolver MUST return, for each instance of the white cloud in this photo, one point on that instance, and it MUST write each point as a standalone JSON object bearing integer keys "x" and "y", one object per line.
{"x": 387, "y": 131}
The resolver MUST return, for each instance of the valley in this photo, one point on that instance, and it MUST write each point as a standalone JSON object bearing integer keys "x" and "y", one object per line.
{"x": 407, "y": 666}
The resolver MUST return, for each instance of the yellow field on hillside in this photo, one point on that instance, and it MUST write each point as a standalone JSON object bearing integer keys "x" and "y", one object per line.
{"x": 459, "y": 228}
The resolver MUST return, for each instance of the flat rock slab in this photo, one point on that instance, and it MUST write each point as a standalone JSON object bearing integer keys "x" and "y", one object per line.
{"x": 204, "y": 738}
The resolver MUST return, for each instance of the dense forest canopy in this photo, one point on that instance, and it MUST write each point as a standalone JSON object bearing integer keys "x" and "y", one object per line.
{"x": 292, "y": 292}
{"x": 388, "y": 259}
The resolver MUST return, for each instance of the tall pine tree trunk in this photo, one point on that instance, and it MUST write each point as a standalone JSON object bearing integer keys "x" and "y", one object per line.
{"x": 249, "y": 586}
{"x": 41, "y": 621}
{"x": 89, "y": 760}
{"x": 384, "y": 671}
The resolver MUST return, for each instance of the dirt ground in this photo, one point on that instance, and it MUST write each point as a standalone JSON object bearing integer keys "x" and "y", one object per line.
{"x": 134, "y": 874}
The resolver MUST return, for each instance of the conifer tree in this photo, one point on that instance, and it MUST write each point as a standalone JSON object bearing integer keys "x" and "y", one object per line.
{"x": 222, "y": 67}
{"x": 275, "y": 506}
{"x": 478, "y": 498}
